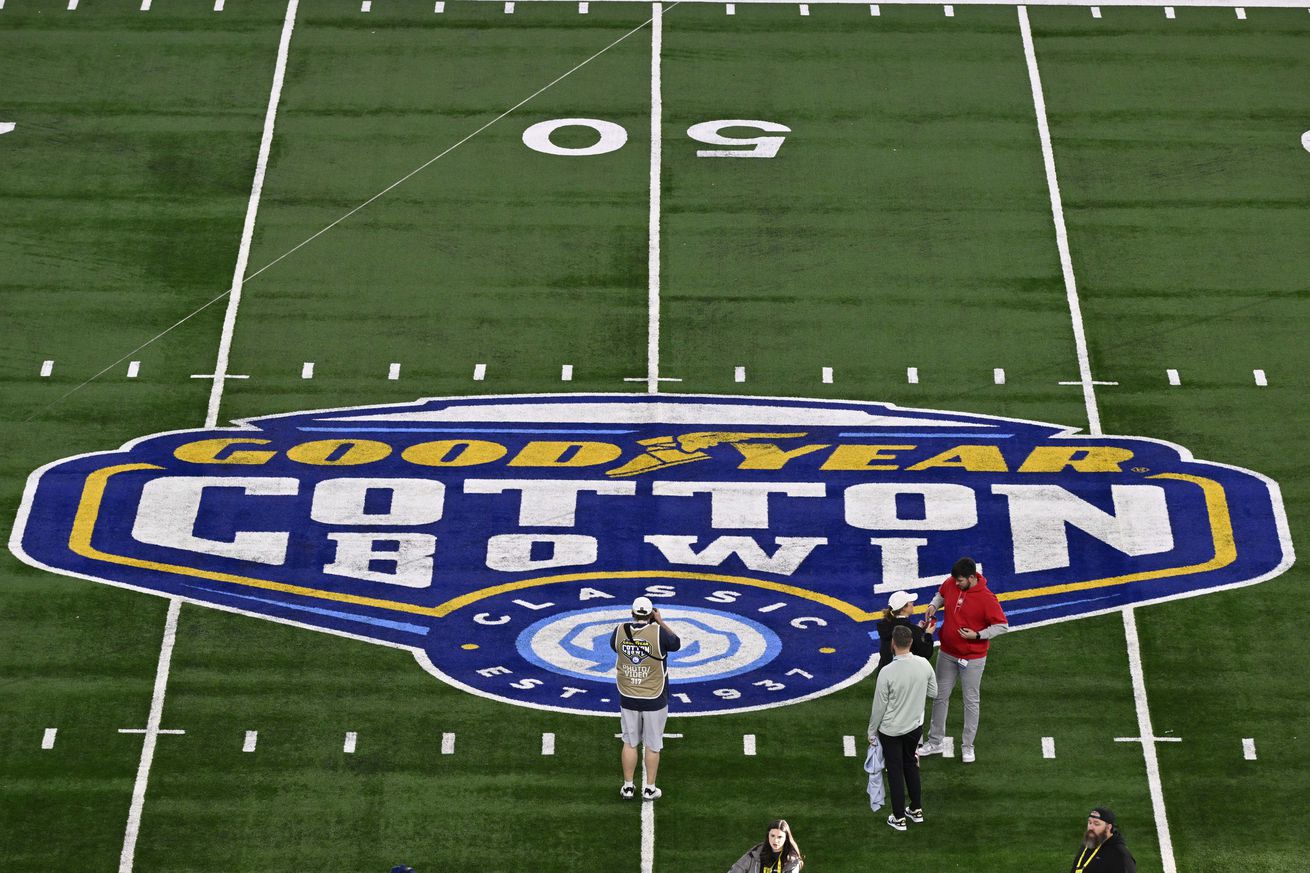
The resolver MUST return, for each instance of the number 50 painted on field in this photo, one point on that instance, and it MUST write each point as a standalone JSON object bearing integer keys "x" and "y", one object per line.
{"x": 613, "y": 136}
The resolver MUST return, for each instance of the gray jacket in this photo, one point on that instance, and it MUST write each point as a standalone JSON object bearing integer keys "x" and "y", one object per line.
{"x": 750, "y": 862}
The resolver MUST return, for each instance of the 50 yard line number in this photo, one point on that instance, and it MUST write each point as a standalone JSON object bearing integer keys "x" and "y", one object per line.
{"x": 613, "y": 136}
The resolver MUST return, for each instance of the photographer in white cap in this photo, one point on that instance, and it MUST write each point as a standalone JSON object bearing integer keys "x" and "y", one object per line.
{"x": 641, "y": 670}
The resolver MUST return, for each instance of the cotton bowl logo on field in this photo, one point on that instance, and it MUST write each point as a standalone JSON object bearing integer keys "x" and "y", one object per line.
{"x": 502, "y": 539}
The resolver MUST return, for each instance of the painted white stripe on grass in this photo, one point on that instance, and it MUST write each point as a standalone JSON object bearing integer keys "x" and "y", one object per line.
{"x": 949, "y": 10}
{"x": 826, "y": 375}
{"x": 1241, "y": 13}
{"x": 647, "y": 828}
{"x": 366, "y": 6}
{"x": 912, "y": 375}
{"x": 805, "y": 9}
{"x": 874, "y": 10}
{"x": 748, "y": 745}
{"x": 1096, "y": 11}
{"x": 133, "y": 369}
{"x": 1169, "y": 12}
{"x": 1148, "y": 742}
{"x": 47, "y": 738}
{"x": 72, "y": 5}
{"x": 440, "y": 7}
{"x": 547, "y": 744}
{"x": 1248, "y": 749}
{"x": 307, "y": 370}
{"x": 739, "y": 374}
{"x": 998, "y": 375}
{"x": 1174, "y": 378}
{"x": 251, "y": 740}
{"x": 479, "y": 372}
{"x": 948, "y": 747}
{"x": 1260, "y": 378}
{"x": 218, "y": 5}
{"x": 47, "y": 368}
{"x": 145, "y": 5}
{"x": 1061, "y": 232}
{"x": 1048, "y": 747}
{"x": 848, "y": 746}
{"x": 252, "y": 211}
{"x": 447, "y": 744}
{"x": 509, "y": 8}
{"x": 584, "y": 8}
{"x": 653, "y": 217}
{"x": 730, "y": 9}
{"x": 348, "y": 746}
{"x": 566, "y": 373}
{"x": 156, "y": 715}
{"x": 393, "y": 372}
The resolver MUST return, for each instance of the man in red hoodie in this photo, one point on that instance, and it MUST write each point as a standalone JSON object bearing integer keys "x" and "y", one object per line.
{"x": 973, "y": 616}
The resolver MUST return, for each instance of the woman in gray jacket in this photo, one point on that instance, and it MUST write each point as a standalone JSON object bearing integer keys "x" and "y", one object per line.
{"x": 777, "y": 854}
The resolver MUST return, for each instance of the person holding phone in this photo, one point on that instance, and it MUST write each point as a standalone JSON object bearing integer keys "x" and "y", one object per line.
{"x": 900, "y": 606}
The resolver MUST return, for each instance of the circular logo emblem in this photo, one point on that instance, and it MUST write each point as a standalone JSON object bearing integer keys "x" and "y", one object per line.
{"x": 743, "y": 643}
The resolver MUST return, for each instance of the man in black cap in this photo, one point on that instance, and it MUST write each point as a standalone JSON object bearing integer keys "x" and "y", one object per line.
{"x": 1103, "y": 849}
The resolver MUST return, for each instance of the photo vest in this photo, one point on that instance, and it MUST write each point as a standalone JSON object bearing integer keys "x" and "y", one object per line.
{"x": 639, "y": 667}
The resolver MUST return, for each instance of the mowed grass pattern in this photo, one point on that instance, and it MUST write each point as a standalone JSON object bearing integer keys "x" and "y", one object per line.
{"x": 904, "y": 223}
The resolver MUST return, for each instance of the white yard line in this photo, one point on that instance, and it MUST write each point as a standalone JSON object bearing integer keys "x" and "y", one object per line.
{"x": 998, "y": 375}
{"x": 252, "y": 211}
{"x": 948, "y": 747}
{"x": 748, "y": 745}
{"x": 1260, "y": 378}
{"x": 393, "y": 372}
{"x": 1061, "y": 232}
{"x": 1048, "y": 747}
{"x": 547, "y": 744}
{"x": 47, "y": 368}
{"x": 479, "y": 372}
{"x": 912, "y": 375}
{"x": 566, "y": 373}
{"x": 1148, "y": 742}
{"x": 1174, "y": 379}
{"x": 133, "y": 369}
{"x": 307, "y": 370}
{"x": 826, "y": 375}
{"x": 150, "y": 738}
{"x": 1151, "y": 4}
{"x": 251, "y": 740}
{"x": 848, "y": 746}
{"x": 647, "y": 827}
{"x": 48, "y": 738}
{"x": 349, "y": 745}
{"x": 653, "y": 253}
{"x": 447, "y": 744}
{"x": 739, "y": 374}
{"x": 1248, "y": 749}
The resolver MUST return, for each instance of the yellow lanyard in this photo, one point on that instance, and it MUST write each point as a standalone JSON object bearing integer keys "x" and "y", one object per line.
{"x": 1082, "y": 865}
{"x": 776, "y": 869}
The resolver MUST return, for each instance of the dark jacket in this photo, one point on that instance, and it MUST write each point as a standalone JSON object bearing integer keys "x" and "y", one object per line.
{"x": 1112, "y": 857}
{"x": 921, "y": 645}
{"x": 750, "y": 862}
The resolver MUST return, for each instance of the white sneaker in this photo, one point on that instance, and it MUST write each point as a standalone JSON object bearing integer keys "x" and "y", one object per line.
{"x": 926, "y": 749}
{"x": 966, "y": 754}
{"x": 628, "y": 792}
{"x": 650, "y": 792}
{"x": 896, "y": 823}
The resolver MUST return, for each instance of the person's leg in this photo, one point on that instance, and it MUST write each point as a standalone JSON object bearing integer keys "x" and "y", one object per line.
{"x": 910, "y": 763}
{"x": 948, "y": 669}
{"x": 971, "y": 689}
{"x": 893, "y": 757}
{"x": 630, "y": 725}
{"x": 652, "y": 739}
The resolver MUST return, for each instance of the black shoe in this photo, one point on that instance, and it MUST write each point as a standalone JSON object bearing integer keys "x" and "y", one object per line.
{"x": 897, "y": 823}
{"x": 914, "y": 815}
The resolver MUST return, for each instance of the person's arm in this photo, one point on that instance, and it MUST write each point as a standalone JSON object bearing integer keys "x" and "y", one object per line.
{"x": 880, "y": 697}
{"x": 614, "y": 638}
{"x": 922, "y": 645}
{"x": 934, "y": 604}
{"x": 993, "y": 630}
{"x": 997, "y": 623}
{"x": 932, "y": 683}
{"x": 746, "y": 863}
{"x": 669, "y": 641}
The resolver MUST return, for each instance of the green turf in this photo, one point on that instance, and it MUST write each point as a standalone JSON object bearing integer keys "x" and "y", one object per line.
{"x": 904, "y": 223}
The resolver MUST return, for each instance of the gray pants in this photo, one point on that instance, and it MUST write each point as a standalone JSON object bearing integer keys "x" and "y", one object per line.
{"x": 970, "y": 678}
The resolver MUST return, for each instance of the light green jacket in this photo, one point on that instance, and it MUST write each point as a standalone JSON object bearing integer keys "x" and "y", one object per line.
{"x": 903, "y": 688}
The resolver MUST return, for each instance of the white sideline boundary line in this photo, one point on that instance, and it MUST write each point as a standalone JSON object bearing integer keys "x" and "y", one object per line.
{"x": 252, "y": 211}
{"x": 647, "y": 827}
{"x": 653, "y": 252}
{"x": 1061, "y": 232}
{"x": 1149, "y": 740}
{"x": 151, "y": 737}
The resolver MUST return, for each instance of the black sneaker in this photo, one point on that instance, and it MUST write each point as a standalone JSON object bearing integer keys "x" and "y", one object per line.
{"x": 897, "y": 823}
{"x": 914, "y": 815}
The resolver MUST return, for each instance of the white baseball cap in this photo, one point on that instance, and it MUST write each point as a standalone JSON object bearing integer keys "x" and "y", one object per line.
{"x": 898, "y": 600}
{"x": 642, "y": 606}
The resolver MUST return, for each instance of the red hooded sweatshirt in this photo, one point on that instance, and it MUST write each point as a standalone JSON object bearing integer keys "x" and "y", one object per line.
{"x": 974, "y": 609}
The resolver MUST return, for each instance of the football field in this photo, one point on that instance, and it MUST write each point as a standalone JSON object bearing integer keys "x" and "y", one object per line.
{"x": 1095, "y": 217}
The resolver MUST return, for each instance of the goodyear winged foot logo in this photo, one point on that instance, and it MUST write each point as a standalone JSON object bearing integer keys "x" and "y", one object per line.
{"x": 502, "y": 538}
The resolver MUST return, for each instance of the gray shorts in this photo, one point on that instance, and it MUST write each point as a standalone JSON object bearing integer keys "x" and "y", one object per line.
{"x": 644, "y": 728}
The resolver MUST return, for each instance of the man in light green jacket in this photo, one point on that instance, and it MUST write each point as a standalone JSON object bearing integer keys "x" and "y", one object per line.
{"x": 896, "y": 722}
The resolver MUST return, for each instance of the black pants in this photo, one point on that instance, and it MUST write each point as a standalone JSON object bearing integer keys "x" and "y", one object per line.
{"x": 902, "y": 769}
